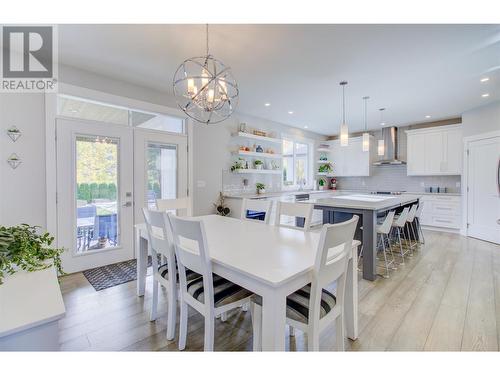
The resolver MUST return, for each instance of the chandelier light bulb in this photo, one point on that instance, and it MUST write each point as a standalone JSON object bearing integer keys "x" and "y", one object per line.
{"x": 344, "y": 129}
{"x": 366, "y": 142}
{"x": 381, "y": 147}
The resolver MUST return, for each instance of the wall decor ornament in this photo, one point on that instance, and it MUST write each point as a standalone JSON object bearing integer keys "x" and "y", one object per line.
{"x": 14, "y": 133}
{"x": 14, "y": 161}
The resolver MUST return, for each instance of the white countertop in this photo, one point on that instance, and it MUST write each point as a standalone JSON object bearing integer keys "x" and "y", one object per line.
{"x": 359, "y": 201}
{"x": 29, "y": 299}
{"x": 333, "y": 192}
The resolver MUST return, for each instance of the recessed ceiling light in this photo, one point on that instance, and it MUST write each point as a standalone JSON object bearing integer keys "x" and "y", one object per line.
{"x": 485, "y": 95}
{"x": 382, "y": 123}
{"x": 427, "y": 116}
{"x": 290, "y": 112}
{"x": 267, "y": 104}
{"x": 485, "y": 79}
{"x": 305, "y": 127}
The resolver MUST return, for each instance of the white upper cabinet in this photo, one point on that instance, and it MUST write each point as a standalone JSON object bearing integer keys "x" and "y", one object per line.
{"x": 434, "y": 151}
{"x": 351, "y": 160}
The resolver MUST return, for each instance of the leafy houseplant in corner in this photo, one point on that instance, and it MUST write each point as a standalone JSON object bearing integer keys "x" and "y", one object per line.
{"x": 325, "y": 168}
{"x": 24, "y": 247}
{"x": 261, "y": 188}
{"x": 258, "y": 164}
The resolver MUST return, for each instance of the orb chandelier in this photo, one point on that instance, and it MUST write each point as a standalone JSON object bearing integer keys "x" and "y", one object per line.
{"x": 205, "y": 88}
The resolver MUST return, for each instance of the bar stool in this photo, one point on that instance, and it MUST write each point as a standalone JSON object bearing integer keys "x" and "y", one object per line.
{"x": 417, "y": 222}
{"x": 384, "y": 229}
{"x": 398, "y": 226}
{"x": 410, "y": 221}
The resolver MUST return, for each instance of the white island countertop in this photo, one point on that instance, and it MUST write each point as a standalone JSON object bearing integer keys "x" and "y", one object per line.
{"x": 359, "y": 201}
{"x": 28, "y": 300}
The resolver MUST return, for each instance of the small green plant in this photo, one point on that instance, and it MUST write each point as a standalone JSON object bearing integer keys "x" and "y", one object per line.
{"x": 260, "y": 186}
{"x": 23, "y": 247}
{"x": 258, "y": 162}
{"x": 238, "y": 164}
{"x": 321, "y": 182}
{"x": 325, "y": 168}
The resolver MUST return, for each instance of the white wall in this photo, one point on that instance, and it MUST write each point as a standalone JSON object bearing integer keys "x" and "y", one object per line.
{"x": 481, "y": 120}
{"x": 22, "y": 190}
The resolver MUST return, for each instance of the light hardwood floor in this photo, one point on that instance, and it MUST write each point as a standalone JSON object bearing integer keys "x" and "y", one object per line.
{"x": 446, "y": 297}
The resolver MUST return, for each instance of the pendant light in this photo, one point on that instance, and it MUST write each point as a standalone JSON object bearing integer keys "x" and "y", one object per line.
{"x": 366, "y": 135}
{"x": 381, "y": 145}
{"x": 205, "y": 88}
{"x": 344, "y": 130}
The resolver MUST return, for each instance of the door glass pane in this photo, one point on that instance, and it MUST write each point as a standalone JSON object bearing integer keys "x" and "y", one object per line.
{"x": 157, "y": 122}
{"x": 161, "y": 173}
{"x": 96, "y": 193}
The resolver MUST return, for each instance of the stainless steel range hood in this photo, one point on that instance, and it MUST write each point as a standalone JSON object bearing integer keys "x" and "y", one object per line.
{"x": 390, "y": 137}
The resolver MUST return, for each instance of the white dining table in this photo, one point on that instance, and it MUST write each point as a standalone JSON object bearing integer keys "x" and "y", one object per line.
{"x": 268, "y": 260}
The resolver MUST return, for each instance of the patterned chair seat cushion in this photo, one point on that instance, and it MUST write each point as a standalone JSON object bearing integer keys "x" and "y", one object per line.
{"x": 190, "y": 275}
{"x": 225, "y": 292}
{"x": 297, "y": 304}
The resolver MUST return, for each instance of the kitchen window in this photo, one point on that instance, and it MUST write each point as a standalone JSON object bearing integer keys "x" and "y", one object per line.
{"x": 296, "y": 163}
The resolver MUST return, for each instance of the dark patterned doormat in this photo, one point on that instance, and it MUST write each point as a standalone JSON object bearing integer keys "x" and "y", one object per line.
{"x": 113, "y": 274}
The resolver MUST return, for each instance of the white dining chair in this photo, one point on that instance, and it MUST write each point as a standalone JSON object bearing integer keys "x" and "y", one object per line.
{"x": 312, "y": 308}
{"x": 160, "y": 239}
{"x": 210, "y": 295}
{"x": 256, "y": 205}
{"x": 180, "y": 205}
{"x": 383, "y": 232}
{"x": 295, "y": 210}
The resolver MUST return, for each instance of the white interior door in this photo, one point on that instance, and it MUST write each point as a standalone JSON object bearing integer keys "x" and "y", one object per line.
{"x": 95, "y": 193}
{"x": 483, "y": 197}
{"x": 160, "y": 168}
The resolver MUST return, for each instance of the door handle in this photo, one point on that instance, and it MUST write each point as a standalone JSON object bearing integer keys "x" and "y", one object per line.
{"x": 127, "y": 204}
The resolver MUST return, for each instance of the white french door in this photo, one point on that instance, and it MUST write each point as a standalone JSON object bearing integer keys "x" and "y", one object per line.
{"x": 483, "y": 196}
{"x": 160, "y": 168}
{"x": 95, "y": 215}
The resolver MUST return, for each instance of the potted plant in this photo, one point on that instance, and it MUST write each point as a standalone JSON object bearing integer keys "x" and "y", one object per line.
{"x": 23, "y": 247}
{"x": 258, "y": 164}
{"x": 322, "y": 184}
{"x": 261, "y": 188}
{"x": 220, "y": 206}
{"x": 325, "y": 168}
{"x": 238, "y": 164}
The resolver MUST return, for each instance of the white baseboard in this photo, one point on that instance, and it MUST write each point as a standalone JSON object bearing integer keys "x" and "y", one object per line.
{"x": 441, "y": 229}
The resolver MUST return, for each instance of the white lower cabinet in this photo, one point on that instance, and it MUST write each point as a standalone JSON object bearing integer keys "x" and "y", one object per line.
{"x": 441, "y": 211}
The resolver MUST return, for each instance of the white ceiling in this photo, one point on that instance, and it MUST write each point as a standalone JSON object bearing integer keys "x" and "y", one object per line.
{"x": 412, "y": 70}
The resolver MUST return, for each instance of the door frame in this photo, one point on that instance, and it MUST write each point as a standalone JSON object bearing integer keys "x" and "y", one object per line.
{"x": 104, "y": 97}
{"x": 465, "y": 178}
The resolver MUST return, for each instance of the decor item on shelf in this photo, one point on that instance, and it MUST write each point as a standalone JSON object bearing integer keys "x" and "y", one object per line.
{"x": 238, "y": 164}
{"x": 259, "y": 149}
{"x": 220, "y": 206}
{"x": 14, "y": 161}
{"x": 381, "y": 145}
{"x": 14, "y": 133}
{"x": 242, "y": 148}
{"x": 323, "y": 157}
{"x": 243, "y": 127}
{"x": 274, "y": 165}
{"x": 258, "y": 164}
{"x": 333, "y": 183}
{"x": 260, "y": 133}
{"x": 344, "y": 130}
{"x": 22, "y": 247}
{"x": 366, "y": 135}
{"x": 322, "y": 184}
{"x": 270, "y": 151}
{"x": 325, "y": 168}
{"x": 205, "y": 88}
{"x": 324, "y": 146}
{"x": 261, "y": 188}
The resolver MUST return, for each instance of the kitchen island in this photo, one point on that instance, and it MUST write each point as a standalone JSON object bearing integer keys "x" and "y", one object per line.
{"x": 340, "y": 207}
